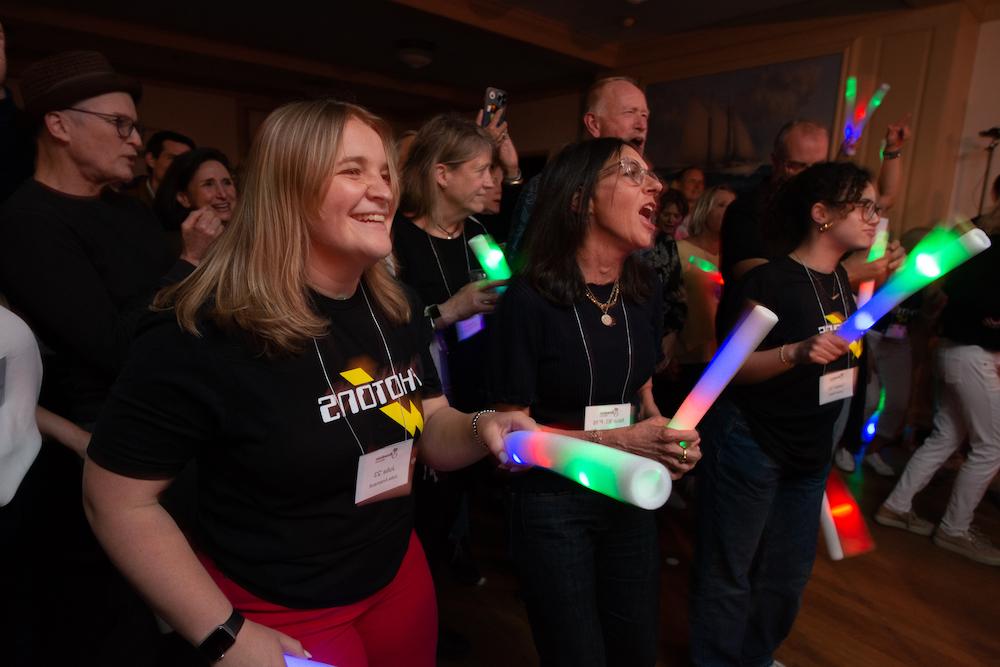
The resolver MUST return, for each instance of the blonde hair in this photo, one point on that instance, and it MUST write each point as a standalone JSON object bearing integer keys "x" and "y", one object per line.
{"x": 447, "y": 139}
{"x": 699, "y": 215}
{"x": 254, "y": 278}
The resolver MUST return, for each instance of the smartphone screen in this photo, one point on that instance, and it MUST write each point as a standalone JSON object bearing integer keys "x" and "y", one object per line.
{"x": 495, "y": 100}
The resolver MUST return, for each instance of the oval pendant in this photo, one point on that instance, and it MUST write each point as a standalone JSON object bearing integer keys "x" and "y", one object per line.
{"x": 607, "y": 320}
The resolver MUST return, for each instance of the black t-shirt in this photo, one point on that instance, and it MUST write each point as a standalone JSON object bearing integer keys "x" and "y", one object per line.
{"x": 277, "y": 463}
{"x": 783, "y": 412}
{"x": 81, "y": 271}
{"x": 741, "y": 235}
{"x": 437, "y": 269}
{"x": 17, "y": 146}
{"x": 972, "y": 316}
{"x": 741, "y": 238}
{"x": 538, "y": 357}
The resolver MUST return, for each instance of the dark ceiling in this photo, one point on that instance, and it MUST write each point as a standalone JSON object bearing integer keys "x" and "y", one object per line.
{"x": 295, "y": 48}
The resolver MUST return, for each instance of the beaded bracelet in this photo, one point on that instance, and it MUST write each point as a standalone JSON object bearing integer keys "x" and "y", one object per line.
{"x": 475, "y": 426}
{"x": 781, "y": 355}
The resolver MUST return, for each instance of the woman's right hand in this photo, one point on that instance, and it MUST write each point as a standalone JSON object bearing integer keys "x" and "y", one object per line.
{"x": 822, "y": 348}
{"x": 650, "y": 438}
{"x": 198, "y": 232}
{"x": 474, "y": 298}
{"x": 260, "y": 646}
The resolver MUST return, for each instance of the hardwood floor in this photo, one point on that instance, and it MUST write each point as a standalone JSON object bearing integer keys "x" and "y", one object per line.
{"x": 907, "y": 602}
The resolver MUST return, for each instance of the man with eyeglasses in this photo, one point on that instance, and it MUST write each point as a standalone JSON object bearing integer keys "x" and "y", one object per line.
{"x": 615, "y": 107}
{"x": 80, "y": 263}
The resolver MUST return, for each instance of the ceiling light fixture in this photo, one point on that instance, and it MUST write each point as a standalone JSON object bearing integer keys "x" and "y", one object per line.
{"x": 415, "y": 53}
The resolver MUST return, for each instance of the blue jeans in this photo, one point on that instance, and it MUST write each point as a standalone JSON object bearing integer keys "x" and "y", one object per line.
{"x": 756, "y": 543}
{"x": 590, "y": 572}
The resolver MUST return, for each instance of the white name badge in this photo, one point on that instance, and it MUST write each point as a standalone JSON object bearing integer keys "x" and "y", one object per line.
{"x": 603, "y": 417}
{"x": 836, "y": 386}
{"x": 385, "y": 473}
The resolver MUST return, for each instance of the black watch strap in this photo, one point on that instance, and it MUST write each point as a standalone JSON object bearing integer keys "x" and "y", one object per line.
{"x": 222, "y": 638}
{"x": 432, "y": 311}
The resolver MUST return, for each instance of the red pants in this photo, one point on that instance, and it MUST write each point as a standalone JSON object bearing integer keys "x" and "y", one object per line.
{"x": 395, "y": 626}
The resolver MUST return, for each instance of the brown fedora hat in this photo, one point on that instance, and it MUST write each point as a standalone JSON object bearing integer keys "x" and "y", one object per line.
{"x": 63, "y": 79}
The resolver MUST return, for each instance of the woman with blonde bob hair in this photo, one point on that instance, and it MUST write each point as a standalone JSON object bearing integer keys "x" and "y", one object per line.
{"x": 291, "y": 367}
{"x": 699, "y": 257}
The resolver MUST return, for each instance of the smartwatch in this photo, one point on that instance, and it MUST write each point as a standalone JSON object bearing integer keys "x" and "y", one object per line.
{"x": 222, "y": 638}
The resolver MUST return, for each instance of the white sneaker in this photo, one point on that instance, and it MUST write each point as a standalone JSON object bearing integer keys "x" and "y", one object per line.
{"x": 844, "y": 460}
{"x": 878, "y": 464}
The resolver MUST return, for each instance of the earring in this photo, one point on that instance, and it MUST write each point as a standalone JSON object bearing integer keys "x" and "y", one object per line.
{"x": 825, "y": 226}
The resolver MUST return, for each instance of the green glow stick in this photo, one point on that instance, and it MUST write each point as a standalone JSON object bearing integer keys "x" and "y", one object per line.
{"x": 939, "y": 252}
{"x": 851, "y": 92}
{"x": 703, "y": 264}
{"x": 491, "y": 257}
{"x": 711, "y": 269}
{"x": 877, "y": 251}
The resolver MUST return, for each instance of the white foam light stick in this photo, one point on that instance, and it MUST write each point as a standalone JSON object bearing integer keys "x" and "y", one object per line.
{"x": 867, "y": 288}
{"x": 744, "y": 339}
{"x": 617, "y": 474}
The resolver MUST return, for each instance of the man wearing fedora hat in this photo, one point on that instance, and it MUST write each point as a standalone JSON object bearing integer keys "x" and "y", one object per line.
{"x": 80, "y": 263}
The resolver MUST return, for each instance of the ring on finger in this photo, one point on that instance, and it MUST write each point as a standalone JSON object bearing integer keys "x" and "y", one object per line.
{"x": 683, "y": 458}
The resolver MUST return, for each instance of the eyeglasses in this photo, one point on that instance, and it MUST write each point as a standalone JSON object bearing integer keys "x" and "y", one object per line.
{"x": 123, "y": 124}
{"x": 634, "y": 171}
{"x": 869, "y": 209}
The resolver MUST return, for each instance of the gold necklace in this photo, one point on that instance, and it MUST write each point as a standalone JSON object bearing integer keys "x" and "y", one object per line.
{"x": 449, "y": 234}
{"x": 606, "y": 319}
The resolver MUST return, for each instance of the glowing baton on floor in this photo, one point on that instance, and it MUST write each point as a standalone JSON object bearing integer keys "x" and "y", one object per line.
{"x": 937, "y": 253}
{"x": 877, "y": 251}
{"x": 491, "y": 258}
{"x": 844, "y": 528}
{"x": 704, "y": 265}
{"x": 617, "y": 474}
{"x": 741, "y": 342}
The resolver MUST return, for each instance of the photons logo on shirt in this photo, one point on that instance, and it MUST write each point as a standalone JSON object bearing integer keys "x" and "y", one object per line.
{"x": 367, "y": 393}
{"x": 835, "y": 320}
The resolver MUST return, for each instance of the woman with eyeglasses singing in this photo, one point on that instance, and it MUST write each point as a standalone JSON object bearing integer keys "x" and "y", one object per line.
{"x": 769, "y": 439}
{"x": 576, "y": 340}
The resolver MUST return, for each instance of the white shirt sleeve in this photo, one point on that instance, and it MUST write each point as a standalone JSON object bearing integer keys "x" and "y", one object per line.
{"x": 20, "y": 382}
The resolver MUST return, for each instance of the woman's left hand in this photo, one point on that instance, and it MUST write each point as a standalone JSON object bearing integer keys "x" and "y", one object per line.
{"x": 493, "y": 426}
{"x": 680, "y": 460}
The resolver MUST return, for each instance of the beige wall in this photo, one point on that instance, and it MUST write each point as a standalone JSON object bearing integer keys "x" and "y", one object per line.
{"x": 982, "y": 112}
{"x": 210, "y": 118}
{"x": 926, "y": 55}
{"x": 541, "y": 126}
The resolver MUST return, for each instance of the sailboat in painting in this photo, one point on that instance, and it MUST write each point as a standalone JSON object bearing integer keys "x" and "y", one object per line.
{"x": 716, "y": 138}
